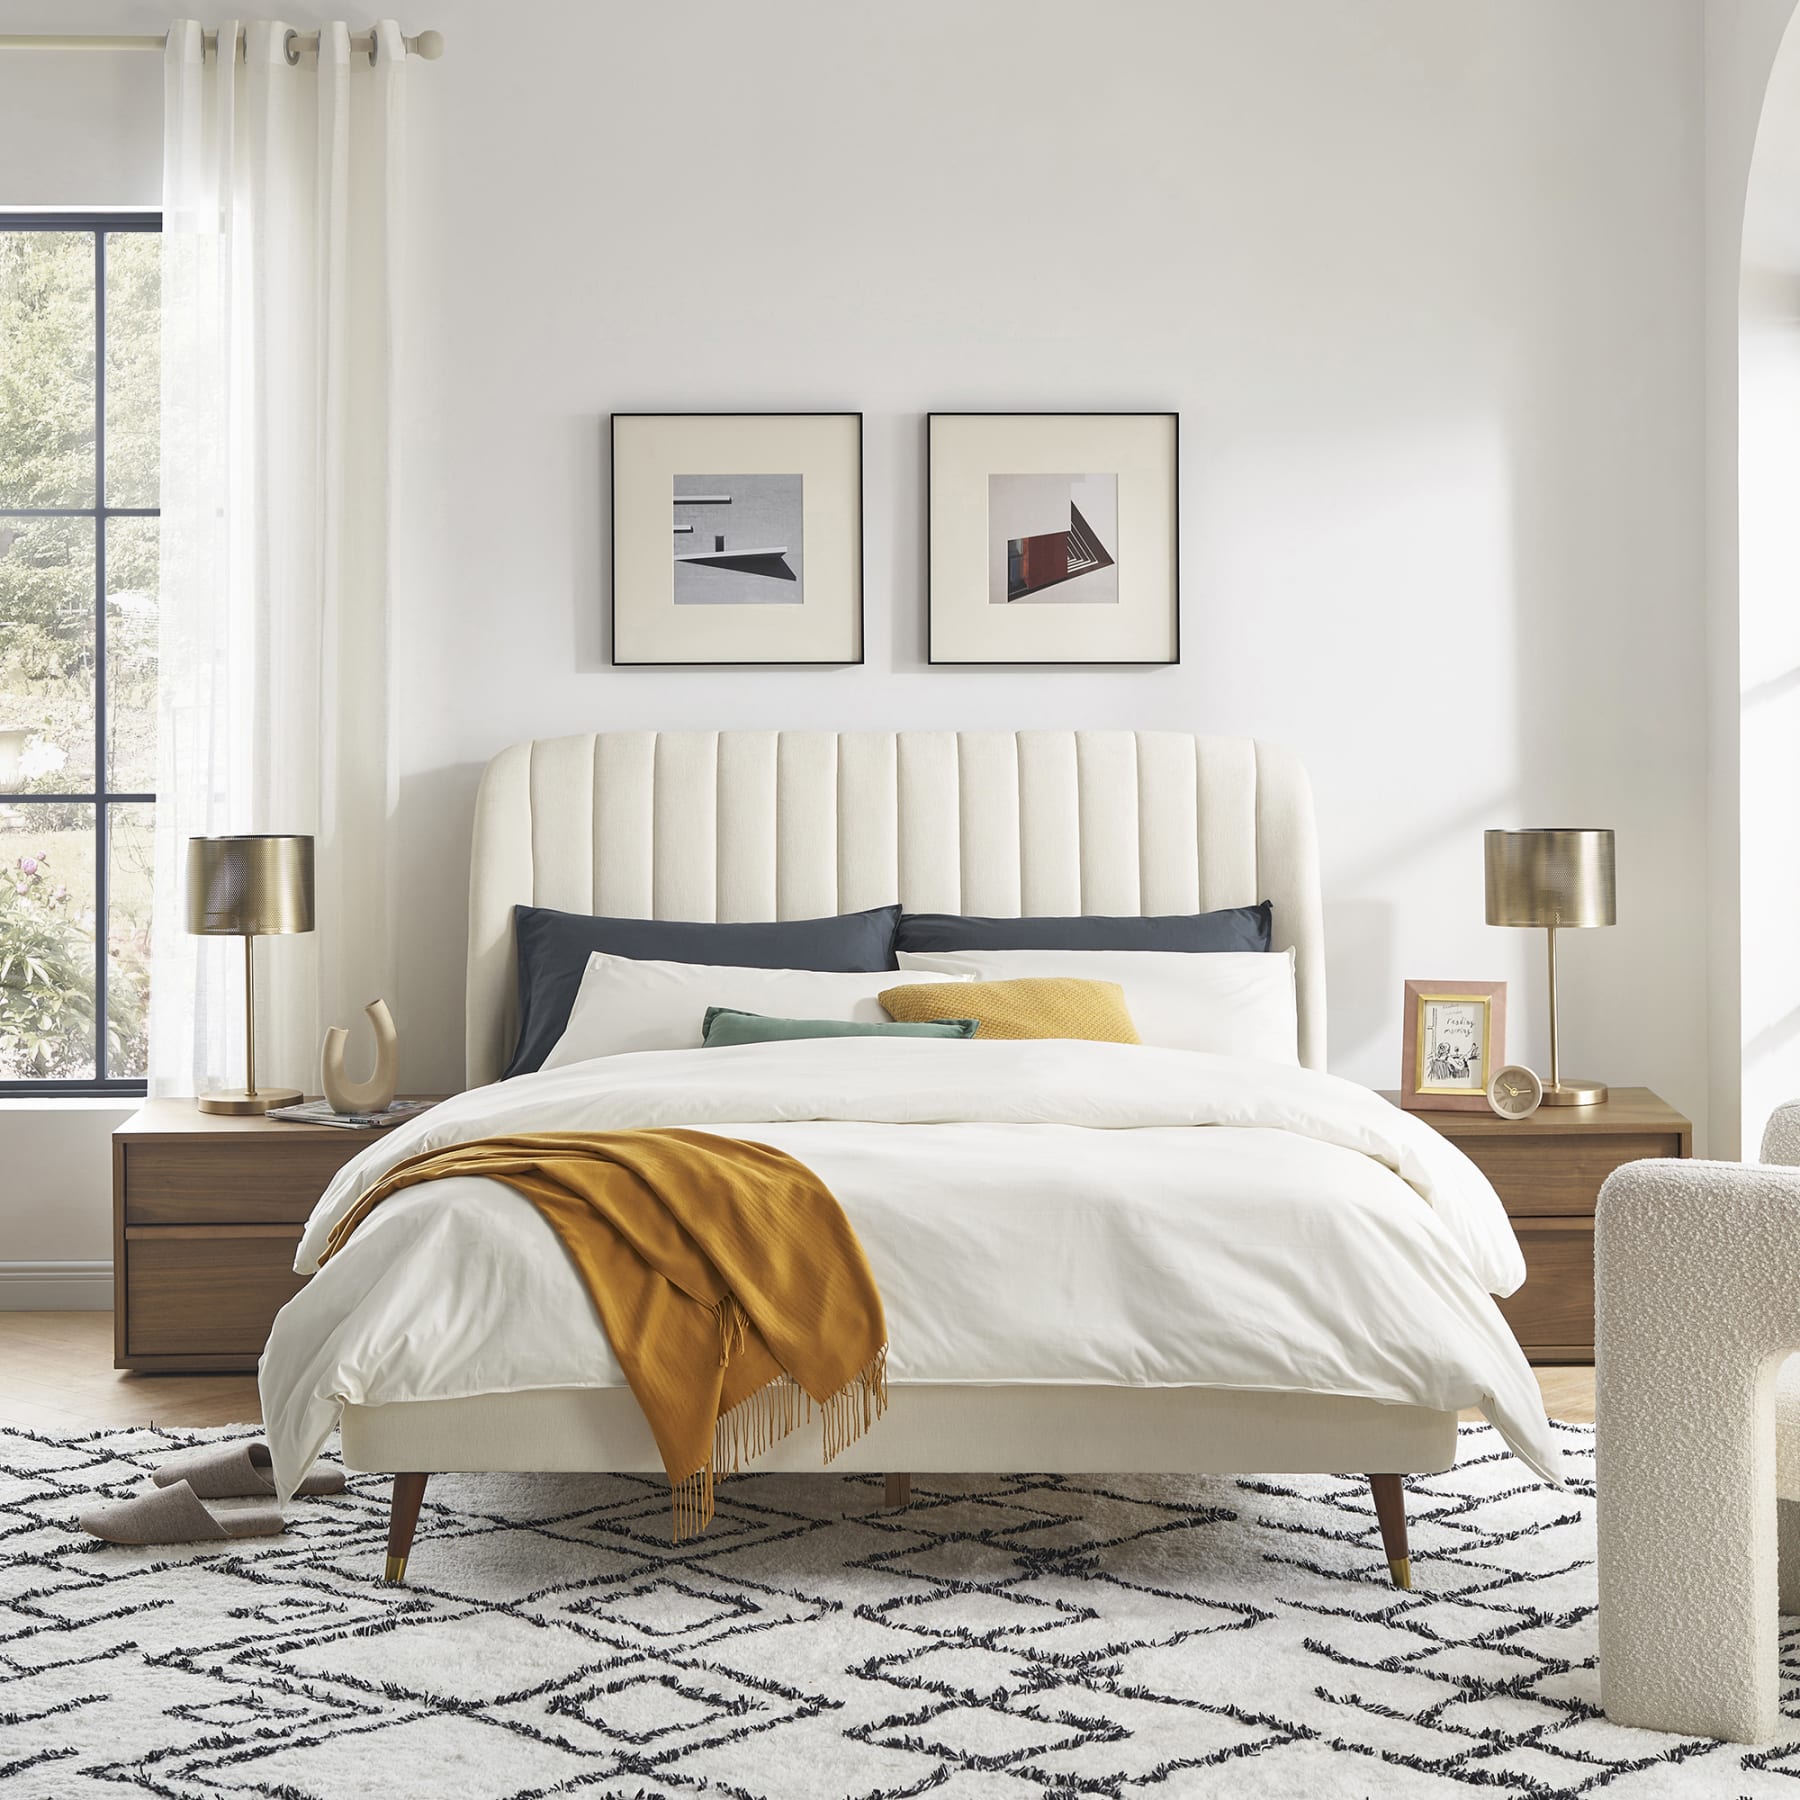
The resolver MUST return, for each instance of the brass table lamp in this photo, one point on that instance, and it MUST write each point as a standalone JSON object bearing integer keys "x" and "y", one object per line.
{"x": 249, "y": 887}
{"x": 1557, "y": 879}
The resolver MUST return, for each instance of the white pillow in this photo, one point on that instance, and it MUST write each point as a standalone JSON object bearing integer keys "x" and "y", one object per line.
{"x": 626, "y": 1004}
{"x": 1231, "y": 1002}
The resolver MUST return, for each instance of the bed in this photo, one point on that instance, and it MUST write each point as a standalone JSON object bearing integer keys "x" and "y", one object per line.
{"x": 748, "y": 826}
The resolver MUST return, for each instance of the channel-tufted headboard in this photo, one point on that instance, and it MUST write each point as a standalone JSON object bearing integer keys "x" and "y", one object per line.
{"x": 741, "y": 825}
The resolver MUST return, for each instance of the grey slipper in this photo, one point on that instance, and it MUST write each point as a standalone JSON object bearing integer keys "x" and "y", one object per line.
{"x": 239, "y": 1471}
{"x": 177, "y": 1515}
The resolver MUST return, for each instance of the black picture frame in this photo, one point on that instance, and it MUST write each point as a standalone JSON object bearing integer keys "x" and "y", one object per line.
{"x": 861, "y": 561}
{"x": 931, "y": 628}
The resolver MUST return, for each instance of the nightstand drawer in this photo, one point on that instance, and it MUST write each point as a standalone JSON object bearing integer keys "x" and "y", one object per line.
{"x": 1553, "y": 1313}
{"x": 207, "y": 1209}
{"x": 1548, "y": 1169}
{"x": 1535, "y": 1175}
{"x": 208, "y": 1296}
{"x": 232, "y": 1183}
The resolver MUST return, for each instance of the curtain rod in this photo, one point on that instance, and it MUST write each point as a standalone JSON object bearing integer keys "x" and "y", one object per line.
{"x": 428, "y": 44}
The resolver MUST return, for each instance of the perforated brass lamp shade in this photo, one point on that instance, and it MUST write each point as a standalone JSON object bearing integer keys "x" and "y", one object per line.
{"x": 249, "y": 887}
{"x": 1556, "y": 879}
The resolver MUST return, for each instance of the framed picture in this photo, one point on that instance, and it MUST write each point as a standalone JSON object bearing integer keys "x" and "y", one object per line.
{"x": 1455, "y": 1039}
{"x": 1054, "y": 537}
{"x": 737, "y": 538}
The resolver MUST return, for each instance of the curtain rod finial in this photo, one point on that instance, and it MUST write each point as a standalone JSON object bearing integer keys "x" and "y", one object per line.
{"x": 428, "y": 44}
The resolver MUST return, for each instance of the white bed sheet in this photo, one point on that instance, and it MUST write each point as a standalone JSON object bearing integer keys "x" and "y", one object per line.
{"x": 1038, "y": 1212}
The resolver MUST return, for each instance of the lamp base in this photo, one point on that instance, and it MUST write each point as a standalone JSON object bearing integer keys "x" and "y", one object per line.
{"x": 1574, "y": 1093}
{"x": 235, "y": 1100}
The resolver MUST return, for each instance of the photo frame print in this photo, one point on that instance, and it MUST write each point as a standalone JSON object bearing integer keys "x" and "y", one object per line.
{"x": 737, "y": 539}
{"x": 1054, "y": 538}
{"x": 1455, "y": 1041}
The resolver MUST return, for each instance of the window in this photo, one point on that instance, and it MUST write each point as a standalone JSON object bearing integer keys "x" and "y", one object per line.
{"x": 79, "y": 302}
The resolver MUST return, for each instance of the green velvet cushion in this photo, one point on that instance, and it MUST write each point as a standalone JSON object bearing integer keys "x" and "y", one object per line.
{"x": 724, "y": 1025}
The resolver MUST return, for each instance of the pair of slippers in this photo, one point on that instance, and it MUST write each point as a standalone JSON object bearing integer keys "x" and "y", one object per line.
{"x": 174, "y": 1511}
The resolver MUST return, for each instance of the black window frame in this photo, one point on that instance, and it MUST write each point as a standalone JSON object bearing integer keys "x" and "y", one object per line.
{"x": 100, "y": 225}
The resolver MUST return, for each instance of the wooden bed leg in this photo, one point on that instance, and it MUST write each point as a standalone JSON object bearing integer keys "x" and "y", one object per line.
{"x": 899, "y": 1490}
{"x": 403, "y": 1519}
{"x": 1390, "y": 1511}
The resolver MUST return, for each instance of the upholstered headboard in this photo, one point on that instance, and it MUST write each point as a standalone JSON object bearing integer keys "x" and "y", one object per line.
{"x": 742, "y": 825}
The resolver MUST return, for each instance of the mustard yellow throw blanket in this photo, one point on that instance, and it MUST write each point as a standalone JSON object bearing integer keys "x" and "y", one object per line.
{"x": 730, "y": 1283}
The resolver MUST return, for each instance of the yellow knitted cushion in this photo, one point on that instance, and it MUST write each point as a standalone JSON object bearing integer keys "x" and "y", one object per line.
{"x": 1038, "y": 1007}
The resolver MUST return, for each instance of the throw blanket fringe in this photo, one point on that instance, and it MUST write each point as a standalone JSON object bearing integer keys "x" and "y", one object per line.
{"x": 760, "y": 1421}
{"x": 725, "y": 1274}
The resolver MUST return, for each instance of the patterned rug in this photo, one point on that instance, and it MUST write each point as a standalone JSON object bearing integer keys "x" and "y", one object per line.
{"x": 1003, "y": 1637}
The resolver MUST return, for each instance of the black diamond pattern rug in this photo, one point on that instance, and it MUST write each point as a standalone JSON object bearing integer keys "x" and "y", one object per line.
{"x": 1004, "y": 1636}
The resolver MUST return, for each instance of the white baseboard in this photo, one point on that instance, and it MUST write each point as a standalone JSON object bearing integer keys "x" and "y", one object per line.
{"x": 56, "y": 1286}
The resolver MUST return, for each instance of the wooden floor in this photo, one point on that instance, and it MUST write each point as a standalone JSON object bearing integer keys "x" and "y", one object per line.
{"x": 56, "y": 1371}
{"x": 1568, "y": 1393}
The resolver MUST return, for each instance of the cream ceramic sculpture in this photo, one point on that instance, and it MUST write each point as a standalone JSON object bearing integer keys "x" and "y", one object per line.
{"x": 347, "y": 1096}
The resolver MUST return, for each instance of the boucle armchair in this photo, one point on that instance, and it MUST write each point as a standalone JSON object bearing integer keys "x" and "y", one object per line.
{"x": 1697, "y": 1306}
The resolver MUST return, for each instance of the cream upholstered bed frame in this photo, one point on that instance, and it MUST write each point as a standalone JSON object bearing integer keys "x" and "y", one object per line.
{"x": 747, "y": 825}
{"x": 755, "y": 825}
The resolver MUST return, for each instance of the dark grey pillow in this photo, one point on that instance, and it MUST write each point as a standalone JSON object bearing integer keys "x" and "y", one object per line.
{"x": 553, "y": 948}
{"x": 1234, "y": 928}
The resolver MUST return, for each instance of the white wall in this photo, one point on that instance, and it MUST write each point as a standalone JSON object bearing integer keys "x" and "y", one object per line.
{"x": 56, "y": 1203}
{"x": 1424, "y": 281}
{"x": 78, "y": 128}
{"x": 1741, "y": 37}
{"x": 1763, "y": 703}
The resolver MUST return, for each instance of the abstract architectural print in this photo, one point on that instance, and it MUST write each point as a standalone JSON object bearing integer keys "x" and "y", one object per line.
{"x": 738, "y": 540}
{"x": 1052, "y": 538}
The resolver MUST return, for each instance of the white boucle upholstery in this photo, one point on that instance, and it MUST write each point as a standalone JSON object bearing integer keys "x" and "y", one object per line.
{"x": 750, "y": 825}
{"x": 1697, "y": 1273}
{"x": 1781, "y": 1145}
{"x": 1781, "y": 1136}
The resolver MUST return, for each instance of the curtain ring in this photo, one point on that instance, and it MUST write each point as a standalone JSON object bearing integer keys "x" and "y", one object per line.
{"x": 291, "y": 48}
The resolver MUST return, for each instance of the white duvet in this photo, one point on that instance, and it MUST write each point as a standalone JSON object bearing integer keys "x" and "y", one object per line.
{"x": 1037, "y": 1212}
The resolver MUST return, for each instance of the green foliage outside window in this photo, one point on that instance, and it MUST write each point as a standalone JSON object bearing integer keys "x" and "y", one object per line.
{"x": 46, "y": 974}
{"x": 50, "y": 937}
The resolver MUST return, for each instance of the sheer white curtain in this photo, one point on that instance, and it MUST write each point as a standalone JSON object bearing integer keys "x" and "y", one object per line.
{"x": 281, "y": 212}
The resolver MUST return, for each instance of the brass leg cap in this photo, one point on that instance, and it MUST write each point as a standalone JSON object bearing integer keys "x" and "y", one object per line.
{"x": 396, "y": 1571}
{"x": 1400, "y": 1572}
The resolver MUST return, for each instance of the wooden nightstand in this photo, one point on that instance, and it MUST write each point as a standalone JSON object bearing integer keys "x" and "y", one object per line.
{"x": 207, "y": 1210}
{"x": 1547, "y": 1170}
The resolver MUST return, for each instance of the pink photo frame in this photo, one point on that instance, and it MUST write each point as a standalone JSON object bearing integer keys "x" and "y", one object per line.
{"x": 1455, "y": 1038}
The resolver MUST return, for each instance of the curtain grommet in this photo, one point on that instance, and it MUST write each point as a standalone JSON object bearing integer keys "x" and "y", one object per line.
{"x": 290, "y": 47}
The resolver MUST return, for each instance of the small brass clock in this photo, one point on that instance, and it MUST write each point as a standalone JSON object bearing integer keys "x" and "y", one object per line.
{"x": 1515, "y": 1092}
